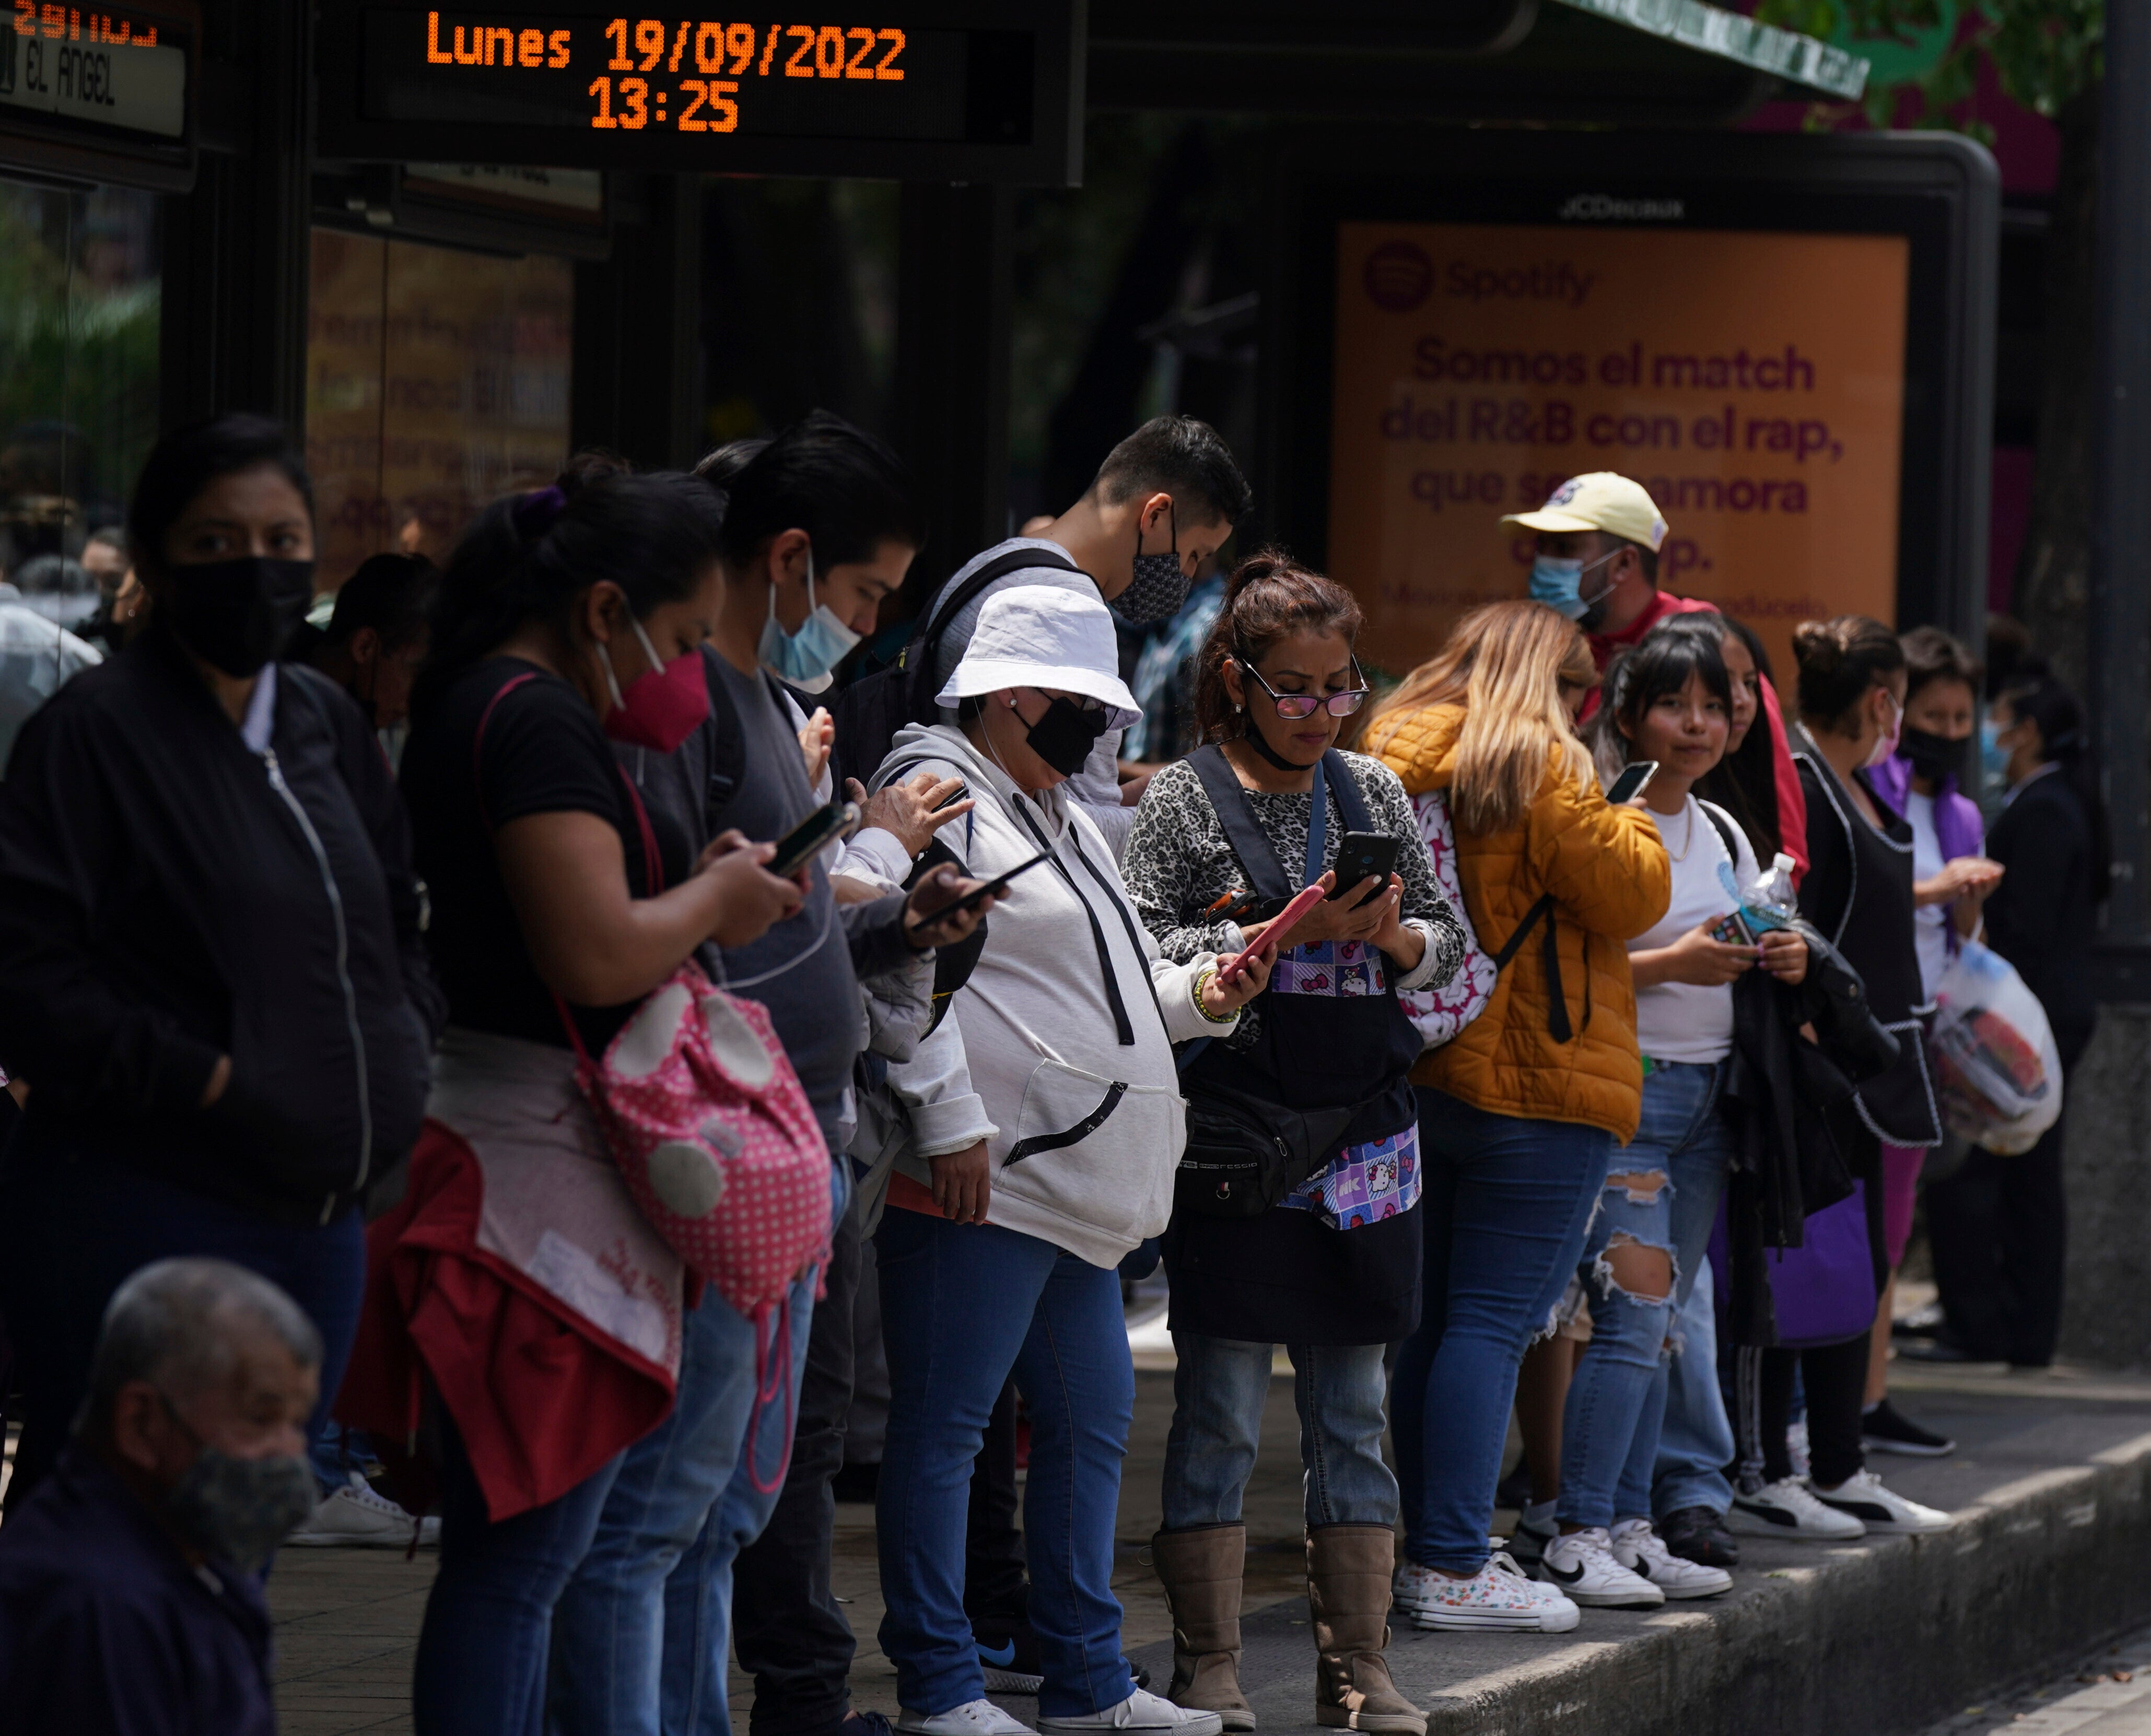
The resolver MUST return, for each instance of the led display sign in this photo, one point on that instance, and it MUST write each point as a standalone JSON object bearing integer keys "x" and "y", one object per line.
{"x": 99, "y": 92}
{"x": 967, "y": 92}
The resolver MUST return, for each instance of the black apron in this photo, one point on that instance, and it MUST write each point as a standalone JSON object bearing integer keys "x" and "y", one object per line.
{"x": 1287, "y": 1276}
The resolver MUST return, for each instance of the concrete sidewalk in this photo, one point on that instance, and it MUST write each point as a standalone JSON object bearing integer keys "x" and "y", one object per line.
{"x": 2052, "y": 1481}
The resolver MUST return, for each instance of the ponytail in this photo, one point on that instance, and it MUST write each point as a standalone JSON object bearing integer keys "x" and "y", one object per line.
{"x": 527, "y": 557}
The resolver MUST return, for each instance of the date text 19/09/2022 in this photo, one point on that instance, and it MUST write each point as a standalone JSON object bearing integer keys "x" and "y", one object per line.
{"x": 652, "y": 45}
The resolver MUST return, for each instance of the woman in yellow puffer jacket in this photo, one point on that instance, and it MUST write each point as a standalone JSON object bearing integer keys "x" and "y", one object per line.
{"x": 1520, "y": 1112}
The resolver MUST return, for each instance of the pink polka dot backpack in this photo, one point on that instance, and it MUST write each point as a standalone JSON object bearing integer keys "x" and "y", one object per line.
{"x": 701, "y": 1110}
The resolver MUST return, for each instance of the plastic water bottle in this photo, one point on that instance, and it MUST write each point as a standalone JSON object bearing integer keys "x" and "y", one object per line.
{"x": 1769, "y": 901}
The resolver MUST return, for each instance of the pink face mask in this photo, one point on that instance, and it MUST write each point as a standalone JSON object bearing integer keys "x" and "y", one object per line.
{"x": 661, "y": 706}
{"x": 1888, "y": 744}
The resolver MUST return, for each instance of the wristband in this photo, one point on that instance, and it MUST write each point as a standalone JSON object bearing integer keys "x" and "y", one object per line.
{"x": 1203, "y": 979}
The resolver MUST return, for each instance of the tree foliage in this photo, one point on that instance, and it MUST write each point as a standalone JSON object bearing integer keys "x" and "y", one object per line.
{"x": 2044, "y": 52}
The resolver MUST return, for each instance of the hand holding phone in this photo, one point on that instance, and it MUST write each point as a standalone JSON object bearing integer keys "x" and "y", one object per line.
{"x": 1634, "y": 777}
{"x": 1363, "y": 856}
{"x": 811, "y": 837}
{"x": 1273, "y": 935}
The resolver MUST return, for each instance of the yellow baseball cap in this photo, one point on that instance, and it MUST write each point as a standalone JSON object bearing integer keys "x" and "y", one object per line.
{"x": 1602, "y": 500}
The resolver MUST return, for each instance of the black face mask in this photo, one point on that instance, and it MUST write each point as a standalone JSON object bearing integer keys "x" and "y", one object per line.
{"x": 1934, "y": 756}
{"x": 237, "y": 614}
{"x": 1065, "y": 735}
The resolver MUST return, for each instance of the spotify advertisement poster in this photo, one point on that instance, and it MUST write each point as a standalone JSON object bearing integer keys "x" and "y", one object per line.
{"x": 1753, "y": 382}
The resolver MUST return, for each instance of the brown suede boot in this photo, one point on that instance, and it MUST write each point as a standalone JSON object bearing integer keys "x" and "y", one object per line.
{"x": 1200, "y": 1569}
{"x": 1348, "y": 1595}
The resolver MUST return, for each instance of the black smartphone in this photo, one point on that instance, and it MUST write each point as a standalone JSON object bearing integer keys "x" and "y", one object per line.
{"x": 979, "y": 894}
{"x": 1630, "y": 784}
{"x": 1361, "y": 855}
{"x": 957, "y": 795}
{"x": 807, "y": 840}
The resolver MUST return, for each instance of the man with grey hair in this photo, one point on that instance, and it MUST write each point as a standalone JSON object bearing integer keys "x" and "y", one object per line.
{"x": 130, "y": 1596}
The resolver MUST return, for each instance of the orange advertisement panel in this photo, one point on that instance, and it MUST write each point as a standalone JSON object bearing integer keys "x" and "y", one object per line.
{"x": 1753, "y": 383}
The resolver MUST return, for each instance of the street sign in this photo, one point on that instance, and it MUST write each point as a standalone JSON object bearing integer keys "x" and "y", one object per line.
{"x": 98, "y": 94}
{"x": 962, "y": 90}
{"x": 1787, "y": 340}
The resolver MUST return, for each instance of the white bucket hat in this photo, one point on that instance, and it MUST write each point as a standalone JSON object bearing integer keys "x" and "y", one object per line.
{"x": 1041, "y": 636}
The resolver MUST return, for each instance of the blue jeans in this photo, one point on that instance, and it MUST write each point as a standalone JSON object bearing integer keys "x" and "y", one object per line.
{"x": 645, "y": 1626}
{"x": 1219, "y": 1386}
{"x": 1661, "y": 1192}
{"x": 962, "y": 1306}
{"x": 1508, "y": 1203}
{"x": 1695, "y": 1440}
{"x": 73, "y": 1226}
{"x": 481, "y": 1652}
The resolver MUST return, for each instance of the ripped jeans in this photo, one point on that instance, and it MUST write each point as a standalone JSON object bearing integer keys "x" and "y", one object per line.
{"x": 1661, "y": 1195}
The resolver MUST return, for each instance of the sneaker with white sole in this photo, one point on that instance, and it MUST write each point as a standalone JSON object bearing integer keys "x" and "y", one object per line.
{"x": 1638, "y": 1547}
{"x": 1787, "y": 1509}
{"x": 1581, "y": 1565}
{"x": 1140, "y": 1710}
{"x": 1497, "y": 1596}
{"x": 973, "y": 1717}
{"x": 355, "y": 1517}
{"x": 1861, "y": 1497}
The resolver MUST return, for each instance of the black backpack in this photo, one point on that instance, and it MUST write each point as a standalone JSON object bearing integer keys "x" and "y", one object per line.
{"x": 872, "y": 709}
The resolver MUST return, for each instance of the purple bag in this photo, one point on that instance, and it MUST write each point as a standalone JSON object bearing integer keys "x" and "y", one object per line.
{"x": 1822, "y": 1292}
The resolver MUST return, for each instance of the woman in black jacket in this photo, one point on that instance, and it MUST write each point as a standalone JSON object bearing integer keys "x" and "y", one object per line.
{"x": 211, "y": 979}
{"x": 1858, "y": 893}
{"x": 2000, "y": 1225}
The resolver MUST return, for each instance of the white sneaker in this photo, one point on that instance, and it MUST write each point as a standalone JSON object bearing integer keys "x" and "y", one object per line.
{"x": 1497, "y": 1596}
{"x": 1642, "y": 1551}
{"x": 973, "y": 1717}
{"x": 355, "y": 1517}
{"x": 1786, "y": 1509}
{"x": 1862, "y": 1497}
{"x": 1140, "y": 1710}
{"x": 1581, "y": 1565}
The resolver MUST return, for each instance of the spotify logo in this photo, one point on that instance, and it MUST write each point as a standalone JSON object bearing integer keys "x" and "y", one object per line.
{"x": 1398, "y": 276}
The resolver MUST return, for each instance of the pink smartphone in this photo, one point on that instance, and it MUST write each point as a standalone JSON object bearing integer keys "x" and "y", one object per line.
{"x": 1304, "y": 901}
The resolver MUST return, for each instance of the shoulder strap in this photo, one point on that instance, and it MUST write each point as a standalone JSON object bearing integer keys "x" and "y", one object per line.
{"x": 925, "y": 640}
{"x": 1350, "y": 803}
{"x": 1723, "y": 828}
{"x": 1558, "y": 1024}
{"x": 1257, "y": 855}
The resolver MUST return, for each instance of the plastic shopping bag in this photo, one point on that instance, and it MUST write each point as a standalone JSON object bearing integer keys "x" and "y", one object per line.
{"x": 1996, "y": 1069}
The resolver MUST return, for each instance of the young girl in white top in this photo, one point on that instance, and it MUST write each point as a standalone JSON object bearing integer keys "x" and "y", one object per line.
{"x": 1669, "y": 700}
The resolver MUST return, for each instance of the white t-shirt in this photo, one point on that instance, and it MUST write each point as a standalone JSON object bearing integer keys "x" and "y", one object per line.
{"x": 1686, "y": 1021}
{"x": 1929, "y": 921}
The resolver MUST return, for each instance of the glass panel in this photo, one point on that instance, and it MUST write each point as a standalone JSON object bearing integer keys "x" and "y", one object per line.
{"x": 79, "y": 288}
{"x": 437, "y": 381}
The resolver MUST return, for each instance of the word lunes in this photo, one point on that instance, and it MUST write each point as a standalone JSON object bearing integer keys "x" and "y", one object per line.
{"x": 640, "y": 82}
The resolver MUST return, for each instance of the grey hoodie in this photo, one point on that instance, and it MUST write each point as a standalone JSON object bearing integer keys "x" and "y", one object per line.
{"x": 1084, "y": 1129}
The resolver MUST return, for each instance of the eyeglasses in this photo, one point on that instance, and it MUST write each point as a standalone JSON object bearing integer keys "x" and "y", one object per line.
{"x": 1293, "y": 707}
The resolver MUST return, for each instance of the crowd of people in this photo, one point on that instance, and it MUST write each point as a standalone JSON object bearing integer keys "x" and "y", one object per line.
{"x": 460, "y": 1053}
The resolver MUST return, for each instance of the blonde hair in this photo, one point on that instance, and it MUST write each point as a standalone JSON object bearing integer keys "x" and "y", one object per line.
{"x": 1505, "y": 664}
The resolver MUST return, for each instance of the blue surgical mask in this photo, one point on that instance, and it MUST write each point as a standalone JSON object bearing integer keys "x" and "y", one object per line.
{"x": 808, "y": 658}
{"x": 1993, "y": 757}
{"x": 1557, "y": 582}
